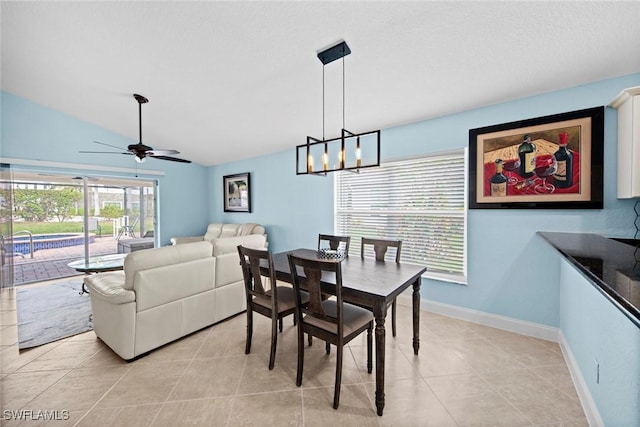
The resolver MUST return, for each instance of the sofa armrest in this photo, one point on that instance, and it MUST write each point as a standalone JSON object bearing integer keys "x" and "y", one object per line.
{"x": 109, "y": 287}
{"x": 180, "y": 240}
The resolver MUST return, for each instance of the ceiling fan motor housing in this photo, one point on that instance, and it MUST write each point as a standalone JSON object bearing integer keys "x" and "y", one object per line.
{"x": 139, "y": 148}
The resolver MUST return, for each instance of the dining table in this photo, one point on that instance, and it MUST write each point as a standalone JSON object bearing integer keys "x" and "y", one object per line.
{"x": 372, "y": 284}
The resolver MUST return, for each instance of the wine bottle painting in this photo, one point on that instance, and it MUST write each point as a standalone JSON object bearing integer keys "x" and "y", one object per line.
{"x": 544, "y": 162}
{"x": 534, "y": 163}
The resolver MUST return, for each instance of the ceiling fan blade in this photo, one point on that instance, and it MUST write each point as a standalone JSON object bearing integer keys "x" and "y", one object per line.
{"x": 173, "y": 159}
{"x": 108, "y": 145}
{"x": 162, "y": 152}
{"x": 103, "y": 152}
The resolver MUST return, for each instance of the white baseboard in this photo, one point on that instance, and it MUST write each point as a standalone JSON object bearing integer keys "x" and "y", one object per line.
{"x": 588, "y": 405}
{"x": 522, "y": 327}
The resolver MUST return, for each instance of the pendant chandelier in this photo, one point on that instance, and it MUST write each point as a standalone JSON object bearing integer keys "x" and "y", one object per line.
{"x": 350, "y": 151}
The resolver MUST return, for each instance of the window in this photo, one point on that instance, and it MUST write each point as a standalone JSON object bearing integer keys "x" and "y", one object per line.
{"x": 419, "y": 201}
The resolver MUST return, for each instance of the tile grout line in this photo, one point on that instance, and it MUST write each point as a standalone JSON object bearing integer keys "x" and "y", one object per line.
{"x": 45, "y": 370}
{"x": 424, "y": 380}
{"x": 129, "y": 368}
{"x": 191, "y": 359}
{"x": 481, "y": 376}
{"x": 372, "y": 400}
{"x": 235, "y": 395}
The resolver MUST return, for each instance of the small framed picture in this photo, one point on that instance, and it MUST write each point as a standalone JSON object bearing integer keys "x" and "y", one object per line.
{"x": 546, "y": 162}
{"x": 237, "y": 192}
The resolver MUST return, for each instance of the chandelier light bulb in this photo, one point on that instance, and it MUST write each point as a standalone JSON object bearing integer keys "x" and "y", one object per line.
{"x": 309, "y": 163}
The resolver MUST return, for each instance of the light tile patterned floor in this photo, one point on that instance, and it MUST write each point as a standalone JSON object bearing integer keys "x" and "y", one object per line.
{"x": 465, "y": 375}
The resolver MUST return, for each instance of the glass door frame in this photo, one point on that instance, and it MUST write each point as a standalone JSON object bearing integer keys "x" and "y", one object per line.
{"x": 86, "y": 185}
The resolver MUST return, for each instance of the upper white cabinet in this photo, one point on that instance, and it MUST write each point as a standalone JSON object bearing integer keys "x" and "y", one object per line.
{"x": 628, "y": 105}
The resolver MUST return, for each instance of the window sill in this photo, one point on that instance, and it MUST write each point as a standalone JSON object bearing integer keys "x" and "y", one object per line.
{"x": 443, "y": 277}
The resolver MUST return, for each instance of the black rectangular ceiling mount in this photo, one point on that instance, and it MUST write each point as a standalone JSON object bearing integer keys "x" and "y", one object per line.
{"x": 334, "y": 52}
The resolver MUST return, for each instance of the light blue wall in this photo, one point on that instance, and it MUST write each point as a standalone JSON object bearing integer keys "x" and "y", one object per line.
{"x": 33, "y": 132}
{"x": 294, "y": 209}
{"x": 595, "y": 329}
{"x": 510, "y": 271}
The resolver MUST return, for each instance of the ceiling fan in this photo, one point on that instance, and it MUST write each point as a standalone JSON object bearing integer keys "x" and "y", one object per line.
{"x": 139, "y": 150}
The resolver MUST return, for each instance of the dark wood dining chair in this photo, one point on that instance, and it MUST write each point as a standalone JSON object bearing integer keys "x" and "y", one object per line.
{"x": 276, "y": 302}
{"x": 380, "y": 247}
{"x": 332, "y": 320}
{"x": 334, "y": 242}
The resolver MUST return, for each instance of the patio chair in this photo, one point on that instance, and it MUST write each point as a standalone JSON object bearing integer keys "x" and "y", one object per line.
{"x": 94, "y": 225}
{"x": 128, "y": 229}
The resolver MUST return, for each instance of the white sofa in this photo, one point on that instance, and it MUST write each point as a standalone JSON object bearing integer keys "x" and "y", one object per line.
{"x": 225, "y": 239}
{"x": 166, "y": 293}
{"x": 216, "y": 231}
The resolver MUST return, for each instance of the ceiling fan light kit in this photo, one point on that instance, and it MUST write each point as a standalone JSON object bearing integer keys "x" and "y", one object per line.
{"x": 139, "y": 150}
{"x": 350, "y": 151}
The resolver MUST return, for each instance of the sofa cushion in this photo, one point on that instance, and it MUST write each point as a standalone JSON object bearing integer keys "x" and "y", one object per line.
{"x": 225, "y": 245}
{"x": 158, "y": 257}
{"x": 109, "y": 287}
{"x": 250, "y": 228}
{"x": 229, "y": 230}
{"x": 228, "y": 269}
{"x": 163, "y": 285}
{"x": 213, "y": 231}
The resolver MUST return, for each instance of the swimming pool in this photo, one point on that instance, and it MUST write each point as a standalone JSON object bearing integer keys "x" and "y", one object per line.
{"x": 49, "y": 241}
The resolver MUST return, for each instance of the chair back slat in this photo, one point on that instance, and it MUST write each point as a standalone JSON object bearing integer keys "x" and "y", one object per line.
{"x": 312, "y": 284}
{"x": 251, "y": 260}
{"x": 380, "y": 247}
{"x": 334, "y": 242}
{"x": 254, "y": 266}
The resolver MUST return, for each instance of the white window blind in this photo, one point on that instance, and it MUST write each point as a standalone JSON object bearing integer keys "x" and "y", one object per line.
{"x": 419, "y": 201}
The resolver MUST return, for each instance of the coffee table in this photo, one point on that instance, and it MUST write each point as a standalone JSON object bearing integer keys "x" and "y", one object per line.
{"x": 98, "y": 264}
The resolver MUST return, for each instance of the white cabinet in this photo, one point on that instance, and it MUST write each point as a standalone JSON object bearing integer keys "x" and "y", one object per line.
{"x": 628, "y": 105}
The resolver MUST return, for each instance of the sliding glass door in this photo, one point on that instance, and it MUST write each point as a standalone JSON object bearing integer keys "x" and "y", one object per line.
{"x": 60, "y": 218}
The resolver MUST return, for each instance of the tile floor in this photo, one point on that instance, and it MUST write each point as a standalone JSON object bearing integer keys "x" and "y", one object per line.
{"x": 465, "y": 375}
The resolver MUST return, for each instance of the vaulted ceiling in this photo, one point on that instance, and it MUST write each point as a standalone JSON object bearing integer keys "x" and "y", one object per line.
{"x": 231, "y": 80}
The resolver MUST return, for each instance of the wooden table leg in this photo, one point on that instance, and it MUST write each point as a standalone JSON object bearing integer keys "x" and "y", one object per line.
{"x": 416, "y": 316}
{"x": 379, "y": 313}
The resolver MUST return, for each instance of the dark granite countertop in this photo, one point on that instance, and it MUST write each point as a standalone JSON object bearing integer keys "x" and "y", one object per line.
{"x": 612, "y": 266}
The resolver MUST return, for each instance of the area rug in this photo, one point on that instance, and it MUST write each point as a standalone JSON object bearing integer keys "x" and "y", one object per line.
{"x": 51, "y": 312}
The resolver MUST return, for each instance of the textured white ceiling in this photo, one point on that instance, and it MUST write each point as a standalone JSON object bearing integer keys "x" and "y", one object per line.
{"x": 231, "y": 80}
